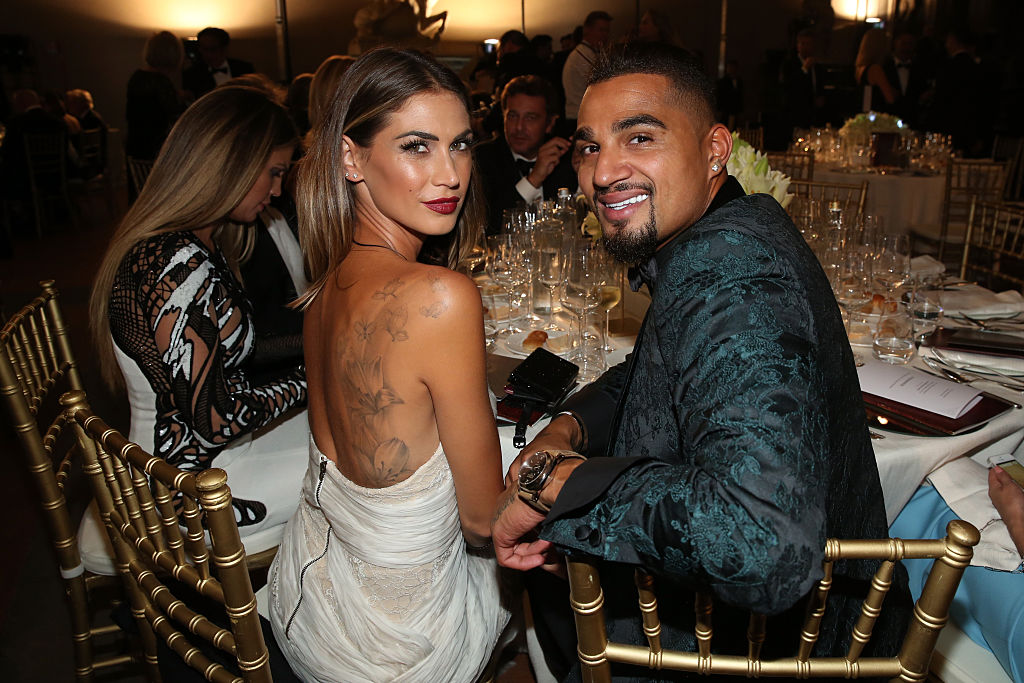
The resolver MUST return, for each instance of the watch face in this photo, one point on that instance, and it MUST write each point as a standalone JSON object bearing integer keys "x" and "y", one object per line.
{"x": 532, "y": 469}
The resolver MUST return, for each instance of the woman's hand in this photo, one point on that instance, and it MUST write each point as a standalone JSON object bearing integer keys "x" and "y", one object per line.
{"x": 1008, "y": 498}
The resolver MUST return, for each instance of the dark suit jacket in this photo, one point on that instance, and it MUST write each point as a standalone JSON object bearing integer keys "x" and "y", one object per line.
{"x": 907, "y": 104}
{"x": 499, "y": 175}
{"x": 801, "y": 90}
{"x": 198, "y": 80}
{"x": 737, "y": 442}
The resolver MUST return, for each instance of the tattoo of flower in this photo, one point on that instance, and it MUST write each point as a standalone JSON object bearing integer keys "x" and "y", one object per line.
{"x": 394, "y": 320}
{"x": 389, "y": 290}
{"x": 434, "y": 310}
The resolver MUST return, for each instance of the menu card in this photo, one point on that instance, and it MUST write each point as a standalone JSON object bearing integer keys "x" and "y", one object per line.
{"x": 913, "y": 387}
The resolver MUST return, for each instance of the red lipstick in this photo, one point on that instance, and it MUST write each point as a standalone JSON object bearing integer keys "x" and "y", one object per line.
{"x": 444, "y": 205}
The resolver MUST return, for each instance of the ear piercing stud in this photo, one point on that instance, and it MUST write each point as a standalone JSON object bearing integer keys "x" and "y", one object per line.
{"x": 716, "y": 167}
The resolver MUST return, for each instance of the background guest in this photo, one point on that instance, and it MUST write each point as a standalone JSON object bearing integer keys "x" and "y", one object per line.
{"x": 729, "y": 95}
{"x": 597, "y": 31}
{"x": 878, "y": 93}
{"x": 803, "y": 84}
{"x": 907, "y": 76}
{"x": 524, "y": 165}
{"x": 214, "y": 66}
{"x": 325, "y": 84}
{"x": 153, "y": 103}
{"x": 297, "y": 102}
{"x": 656, "y": 27}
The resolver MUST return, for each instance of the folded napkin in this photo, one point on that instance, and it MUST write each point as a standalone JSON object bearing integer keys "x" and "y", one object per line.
{"x": 963, "y": 484}
{"x": 926, "y": 266}
{"x": 980, "y": 302}
{"x": 1006, "y": 364}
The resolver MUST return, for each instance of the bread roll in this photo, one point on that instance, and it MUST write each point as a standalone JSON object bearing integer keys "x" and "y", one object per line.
{"x": 535, "y": 340}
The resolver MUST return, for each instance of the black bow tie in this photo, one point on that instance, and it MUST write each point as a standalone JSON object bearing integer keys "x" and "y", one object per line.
{"x": 222, "y": 70}
{"x": 524, "y": 167}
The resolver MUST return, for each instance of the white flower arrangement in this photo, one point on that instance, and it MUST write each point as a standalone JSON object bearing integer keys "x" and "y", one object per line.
{"x": 858, "y": 129}
{"x": 751, "y": 169}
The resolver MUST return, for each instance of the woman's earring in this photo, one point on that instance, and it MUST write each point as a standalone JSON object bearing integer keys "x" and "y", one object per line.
{"x": 346, "y": 175}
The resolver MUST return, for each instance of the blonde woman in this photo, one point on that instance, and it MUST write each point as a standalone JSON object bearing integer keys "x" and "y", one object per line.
{"x": 153, "y": 101}
{"x": 879, "y": 93}
{"x": 170, "y": 319}
{"x": 375, "y": 580}
{"x": 325, "y": 84}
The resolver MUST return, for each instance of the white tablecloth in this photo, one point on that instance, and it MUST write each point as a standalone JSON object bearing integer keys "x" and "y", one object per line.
{"x": 907, "y": 202}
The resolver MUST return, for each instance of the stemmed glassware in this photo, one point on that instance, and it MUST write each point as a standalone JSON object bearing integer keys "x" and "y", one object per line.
{"x": 550, "y": 260}
{"x": 611, "y": 294}
{"x": 503, "y": 271}
{"x": 892, "y": 266}
{"x": 582, "y": 295}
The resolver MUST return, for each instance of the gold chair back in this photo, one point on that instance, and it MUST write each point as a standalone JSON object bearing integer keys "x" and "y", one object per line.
{"x": 138, "y": 171}
{"x": 952, "y": 555}
{"x": 144, "y": 503}
{"x": 752, "y": 134}
{"x": 851, "y": 198}
{"x": 36, "y": 364}
{"x": 967, "y": 178}
{"x": 797, "y": 165}
{"x": 92, "y": 160}
{"x": 994, "y": 245}
{"x": 46, "y": 154}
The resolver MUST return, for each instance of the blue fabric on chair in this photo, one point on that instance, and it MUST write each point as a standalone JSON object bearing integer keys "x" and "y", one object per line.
{"x": 989, "y": 605}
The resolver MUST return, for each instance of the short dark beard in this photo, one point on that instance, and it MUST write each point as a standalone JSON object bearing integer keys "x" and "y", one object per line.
{"x": 635, "y": 246}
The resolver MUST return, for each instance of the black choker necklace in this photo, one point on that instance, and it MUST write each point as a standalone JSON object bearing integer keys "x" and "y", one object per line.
{"x": 381, "y": 246}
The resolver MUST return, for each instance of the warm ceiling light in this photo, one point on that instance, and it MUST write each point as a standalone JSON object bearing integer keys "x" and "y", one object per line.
{"x": 872, "y": 20}
{"x": 491, "y": 41}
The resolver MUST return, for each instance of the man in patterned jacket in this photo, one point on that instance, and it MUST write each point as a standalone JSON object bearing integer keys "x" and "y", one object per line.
{"x": 733, "y": 441}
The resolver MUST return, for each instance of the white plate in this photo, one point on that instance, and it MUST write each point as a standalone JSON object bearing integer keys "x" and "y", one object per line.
{"x": 515, "y": 343}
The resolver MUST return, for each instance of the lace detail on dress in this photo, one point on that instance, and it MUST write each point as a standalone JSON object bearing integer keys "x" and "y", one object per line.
{"x": 397, "y": 592}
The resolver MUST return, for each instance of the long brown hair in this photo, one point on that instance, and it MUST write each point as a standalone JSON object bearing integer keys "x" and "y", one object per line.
{"x": 375, "y": 87}
{"x": 210, "y": 160}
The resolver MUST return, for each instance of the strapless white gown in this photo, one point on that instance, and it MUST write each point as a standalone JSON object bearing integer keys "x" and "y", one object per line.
{"x": 376, "y": 584}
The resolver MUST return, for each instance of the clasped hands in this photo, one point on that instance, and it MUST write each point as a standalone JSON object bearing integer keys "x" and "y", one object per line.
{"x": 547, "y": 158}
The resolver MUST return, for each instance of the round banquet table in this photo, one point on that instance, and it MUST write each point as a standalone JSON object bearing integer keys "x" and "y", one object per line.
{"x": 905, "y": 200}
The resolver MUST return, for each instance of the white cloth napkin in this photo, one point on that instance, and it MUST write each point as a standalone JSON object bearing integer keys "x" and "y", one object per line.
{"x": 926, "y": 266}
{"x": 1006, "y": 364}
{"x": 963, "y": 484}
{"x": 980, "y": 302}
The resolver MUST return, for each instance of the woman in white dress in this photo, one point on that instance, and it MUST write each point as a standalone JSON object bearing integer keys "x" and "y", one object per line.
{"x": 377, "y": 578}
{"x": 172, "y": 324}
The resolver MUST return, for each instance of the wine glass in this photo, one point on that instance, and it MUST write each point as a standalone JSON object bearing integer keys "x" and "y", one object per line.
{"x": 550, "y": 260}
{"x": 582, "y": 294}
{"x": 611, "y": 293}
{"x": 892, "y": 266}
{"x": 501, "y": 268}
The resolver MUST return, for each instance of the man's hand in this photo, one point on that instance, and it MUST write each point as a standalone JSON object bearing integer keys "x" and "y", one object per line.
{"x": 514, "y": 523}
{"x": 1008, "y": 499}
{"x": 561, "y": 434}
{"x": 547, "y": 158}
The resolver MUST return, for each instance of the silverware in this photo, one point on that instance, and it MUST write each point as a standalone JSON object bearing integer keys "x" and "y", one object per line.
{"x": 959, "y": 378}
{"x": 875, "y": 435}
{"x": 1016, "y": 383}
{"x": 948, "y": 366}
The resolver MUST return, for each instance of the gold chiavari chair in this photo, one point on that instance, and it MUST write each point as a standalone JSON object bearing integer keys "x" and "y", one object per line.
{"x": 138, "y": 171}
{"x": 140, "y": 497}
{"x": 994, "y": 245}
{"x": 36, "y": 365}
{"x": 851, "y": 198}
{"x": 46, "y": 154}
{"x": 965, "y": 179}
{"x": 797, "y": 165}
{"x": 752, "y": 134}
{"x": 951, "y": 555}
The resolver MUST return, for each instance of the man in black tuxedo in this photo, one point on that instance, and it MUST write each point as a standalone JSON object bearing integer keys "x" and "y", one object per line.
{"x": 803, "y": 83}
{"x": 908, "y": 78}
{"x": 521, "y": 167}
{"x": 214, "y": 66}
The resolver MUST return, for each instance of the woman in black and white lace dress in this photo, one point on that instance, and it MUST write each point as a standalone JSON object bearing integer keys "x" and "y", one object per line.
{"x": 171, "y": 320}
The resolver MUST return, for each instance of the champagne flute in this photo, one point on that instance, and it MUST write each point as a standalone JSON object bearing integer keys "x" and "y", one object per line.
{"x": 502, "y": 271}
{"x": 611, "y": 294}
{"x": 583, "y": 294}
{"x": 550, "y": 262}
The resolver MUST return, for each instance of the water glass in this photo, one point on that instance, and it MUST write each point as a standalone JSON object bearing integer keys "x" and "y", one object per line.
{"x": 894, "y": 338}
{"x": 926, "y": 316}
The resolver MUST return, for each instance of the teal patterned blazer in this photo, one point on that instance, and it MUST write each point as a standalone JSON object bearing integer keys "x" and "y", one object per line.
{"x": 734, "y": 436}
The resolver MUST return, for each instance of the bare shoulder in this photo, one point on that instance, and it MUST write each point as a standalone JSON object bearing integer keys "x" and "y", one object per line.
{"x": 437, "y": 293}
